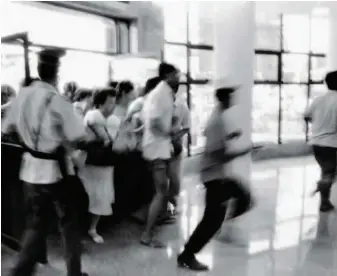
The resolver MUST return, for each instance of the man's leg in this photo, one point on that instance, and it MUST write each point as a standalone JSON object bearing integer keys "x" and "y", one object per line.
{"x": 68, "y": 213}
{"x": 327, "y": 160}
{"x": 34, "y": 240}
{"x": 159, "y": 201}
{"x": 211, "y": 222}
{"x": 174, "y": 177}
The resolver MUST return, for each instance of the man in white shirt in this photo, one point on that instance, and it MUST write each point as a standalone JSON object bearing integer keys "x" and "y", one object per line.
{"x": 157, "y": 115}
{"x": 322, "y": 113}
{"x": 220, "y": 187}
{"x": 47, "y": 126}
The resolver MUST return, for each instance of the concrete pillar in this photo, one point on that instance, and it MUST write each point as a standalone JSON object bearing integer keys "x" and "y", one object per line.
{"x": 332, "y": 50}
{"x": 234, "y": 59}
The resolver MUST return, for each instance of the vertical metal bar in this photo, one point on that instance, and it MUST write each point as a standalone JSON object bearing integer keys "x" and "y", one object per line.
{"x": 26, "y": 58}
{"x": 188, "y": 73}
{"x": 309, "y": 79}
{"x": 280, "y": 77}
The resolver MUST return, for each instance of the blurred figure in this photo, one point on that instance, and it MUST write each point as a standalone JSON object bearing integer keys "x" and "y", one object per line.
{"x": 125, "y": 95}
{"x": 48, "y": 129}
{"x": 70, "y": 90}
{"x": 322, "y": 113}
{"x": 7, "y": 94}
{"x": 97, "y": 180}
{"x": 83, "y": 101}
{"x": 220, "y": 187}
{"x": 157, "y": 115}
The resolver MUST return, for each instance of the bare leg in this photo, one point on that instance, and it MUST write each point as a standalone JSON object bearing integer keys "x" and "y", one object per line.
{"x": 93, "y": 229}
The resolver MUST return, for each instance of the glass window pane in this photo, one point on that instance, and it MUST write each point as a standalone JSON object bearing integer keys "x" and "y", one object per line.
{"x": 112, "y": 37}
{"x": 55, "y": 26}
{"x": 318, "y": 68}
{"x": 296, "y": 33}
{"x": 319, "y": 35}
{"x": 266, "y": 67}
{"x": 265, "y": 113}
{"x": 12, "y": 66}
{"x": 294, "y": 103}
{"x": 201, "y": 15}
{"x": 295, "y": 68}
{"x": 317, "y": 90}
{"x": 175, "y": 20}
{"x": 176, "y": 55}
{"x": 202, "y": 103}
{"x": 268, "y": 29}
{"x": 124, "y": 38}
{"x": 201, "y": 63}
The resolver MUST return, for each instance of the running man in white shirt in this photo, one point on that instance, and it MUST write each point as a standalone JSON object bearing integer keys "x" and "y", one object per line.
{"x": 322, "y": 113}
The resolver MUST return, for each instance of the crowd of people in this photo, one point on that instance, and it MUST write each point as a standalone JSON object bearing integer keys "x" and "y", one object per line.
{"x": 92, "y": 137}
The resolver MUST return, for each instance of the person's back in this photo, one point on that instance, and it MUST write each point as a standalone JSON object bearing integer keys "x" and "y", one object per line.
{"x": 324, "y": 120}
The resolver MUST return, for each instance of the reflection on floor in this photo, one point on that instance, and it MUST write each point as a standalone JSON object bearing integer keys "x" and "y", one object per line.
{"x": 285, "y": 233}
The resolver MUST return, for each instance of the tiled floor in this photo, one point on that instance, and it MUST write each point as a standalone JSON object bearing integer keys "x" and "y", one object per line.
{"x": 285, "y": 233}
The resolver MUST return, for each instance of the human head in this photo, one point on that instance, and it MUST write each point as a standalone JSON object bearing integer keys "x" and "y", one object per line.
{"x": 48, "y": 65}
{"x": 170, "y": 74}
{"x": 84, "y": 96}
{"x": 125, "y": 93}
{"x": 70, "y": 89}
{"x": 105, "y": 100}
{"x": 331, "y": 80}
{"x": 150, "y": 85}
{"x": 7, "y": 93}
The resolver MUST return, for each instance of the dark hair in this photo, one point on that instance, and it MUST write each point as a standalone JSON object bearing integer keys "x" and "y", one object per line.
{"x": 47, "y": 72}
{"x": 331, "y": 80}
{"x": 165, "y": 69}
{"x": 82, "y": 93}
{"x": 113, "y": 84}
{"x": 102, "y": 95}
{"x": 124, "y": 88}
{"x": 70, "y": 89}
{"x": 150, "y": 85}
{"x": 223, "y": 94}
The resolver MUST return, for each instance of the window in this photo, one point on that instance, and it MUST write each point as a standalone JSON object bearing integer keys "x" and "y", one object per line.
{"x": 296, "y": 33}
{"x": 176, "y": 55}
{"x": 318, "y": 68}
{"x": 268, "y": 31}
{"x": 265, "y": 113}
{"x": 124, "y": 38}
{"x": 201, "y": 63}
{"x": 112, "y": 37}
{"x": 303, "y": 67}
{"x": 294, "y": 103}
{"x": 266, "y": 67}
{"x": 295, "y": 68}
{"x": 12, "y": 66}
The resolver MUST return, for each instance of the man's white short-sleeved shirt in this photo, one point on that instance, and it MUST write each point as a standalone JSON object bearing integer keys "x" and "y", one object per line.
{"x": 159, "y": 106}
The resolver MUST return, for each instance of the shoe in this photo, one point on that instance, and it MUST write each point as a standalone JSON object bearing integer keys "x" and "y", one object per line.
{"x": 191, "y": 263}
{"x": 326, "y": 207}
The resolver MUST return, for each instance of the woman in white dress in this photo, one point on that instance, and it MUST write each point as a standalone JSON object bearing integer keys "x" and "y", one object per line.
{"x": 97, "y": 180}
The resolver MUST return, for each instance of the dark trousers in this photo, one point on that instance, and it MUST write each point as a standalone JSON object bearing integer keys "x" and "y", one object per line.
{"x": 42, "y": 198}
{"x": 326, "y": 158}
{"x": 217, "y": 193}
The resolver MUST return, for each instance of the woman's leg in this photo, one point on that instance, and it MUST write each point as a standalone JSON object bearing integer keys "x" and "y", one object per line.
{"x": 93, "y": 229}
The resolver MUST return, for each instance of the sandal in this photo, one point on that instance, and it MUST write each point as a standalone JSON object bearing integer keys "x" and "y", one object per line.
{"x": 96, "y": 238}
{"x": 153, "y": 243}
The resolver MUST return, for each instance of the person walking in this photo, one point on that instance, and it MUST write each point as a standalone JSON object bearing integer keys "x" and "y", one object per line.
{"x": 220, "y": 186}
{"x": 322, "y": 114}
{"x": 47, "y": 126}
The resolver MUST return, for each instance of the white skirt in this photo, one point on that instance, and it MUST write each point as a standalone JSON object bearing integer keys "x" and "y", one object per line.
{"x": 98, "y": 183}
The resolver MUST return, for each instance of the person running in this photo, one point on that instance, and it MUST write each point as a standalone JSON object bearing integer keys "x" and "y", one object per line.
{"x": 220, "y": 187}
{"x": 322, "y": 114}
{"x": 47, "y": 127}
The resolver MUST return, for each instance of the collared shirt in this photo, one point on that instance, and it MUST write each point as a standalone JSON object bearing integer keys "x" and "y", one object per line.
{"x": 218, "y": 127}
{"x": 158, "y": 107}
{"x": 181, "y": 116}
{"x": 60, "y": 125}
{"x": 323, "y": 113}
